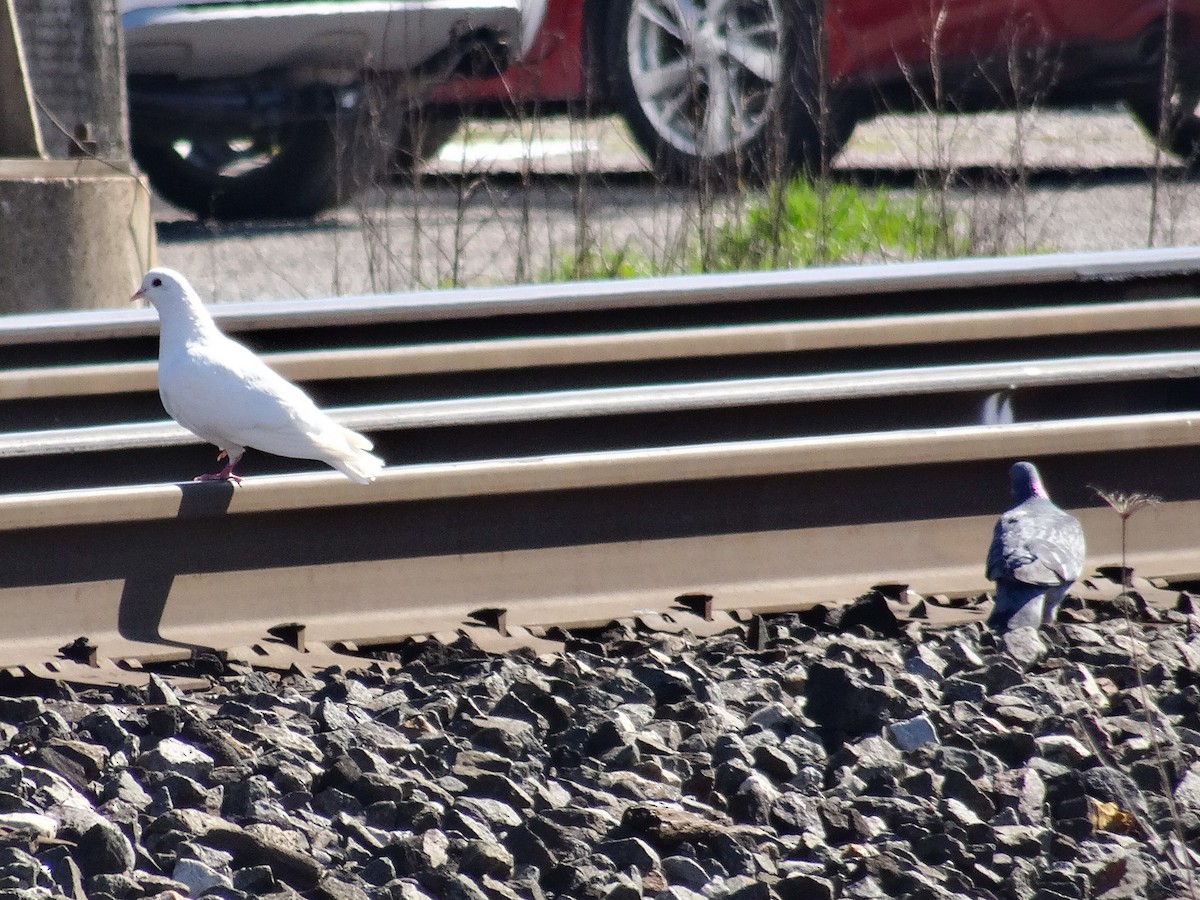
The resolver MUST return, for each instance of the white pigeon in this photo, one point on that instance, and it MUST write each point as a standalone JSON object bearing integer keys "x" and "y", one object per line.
{"x": 220, "y": 391}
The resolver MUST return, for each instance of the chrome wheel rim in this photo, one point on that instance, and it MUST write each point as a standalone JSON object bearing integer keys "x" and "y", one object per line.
{"x": 707, "y": 74}
{"x": 226, "y": 157}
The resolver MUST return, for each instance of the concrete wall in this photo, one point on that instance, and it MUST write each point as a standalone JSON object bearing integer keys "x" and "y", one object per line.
{"x": 75, "y": 56}
{"x": 75, "y": 229}
{"x": 74, "y": 234}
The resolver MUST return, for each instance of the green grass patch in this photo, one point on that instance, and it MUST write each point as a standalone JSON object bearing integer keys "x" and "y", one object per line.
{"x": 807, "y": 224}
{"x": 593, "y": 263}
{"x": 799, "y": 224}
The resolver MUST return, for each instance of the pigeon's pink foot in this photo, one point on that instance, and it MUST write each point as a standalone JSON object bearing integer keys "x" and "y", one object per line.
{"x": 226, "y": 474}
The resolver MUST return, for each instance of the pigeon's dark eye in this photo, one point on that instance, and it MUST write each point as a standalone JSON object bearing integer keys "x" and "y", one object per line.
{"x": 157, "y": 282}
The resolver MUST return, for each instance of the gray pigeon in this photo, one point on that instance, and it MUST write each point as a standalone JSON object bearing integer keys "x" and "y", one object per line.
{"x": 1036, "y": 555}
{"x": 220, "y": 391}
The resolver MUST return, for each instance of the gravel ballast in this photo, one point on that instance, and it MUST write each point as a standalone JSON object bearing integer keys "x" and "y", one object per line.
{"x": 821, "y": 763}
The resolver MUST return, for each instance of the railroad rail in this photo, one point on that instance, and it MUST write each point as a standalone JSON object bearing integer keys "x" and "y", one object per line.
{"x": 646, "y": 416}
{"x": 795, "y": 347}
{"x": 613, "y": 305}
{"x": 80, "y": 369}
{"x": 158, "y": 571}
{"x": 577, "y": 506}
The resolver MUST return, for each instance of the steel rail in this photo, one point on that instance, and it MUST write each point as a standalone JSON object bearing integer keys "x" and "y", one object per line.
{"x": 1011, "y": 377}
{"x": 567, "y": 532}
{"x": 642, "y": 416}
{"x": 638, "y": 333}
{"x": 82, "y": 396}
{"x": 836, "y": 292}
{"x": 1114, "y": 319}
{"x": 157, "y": 571}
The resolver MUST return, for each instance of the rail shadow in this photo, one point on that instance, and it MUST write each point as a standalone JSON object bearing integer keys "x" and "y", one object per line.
{"x": 899, "y": 177}
{"x": 984, "y": 177}
{"x": 144, "y": 595}
{"x": 185, "y": 230}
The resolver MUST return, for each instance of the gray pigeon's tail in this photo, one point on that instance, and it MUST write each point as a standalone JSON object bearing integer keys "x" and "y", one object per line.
{"x": 1019, "y": 604}
{"x": 997, "y": 409}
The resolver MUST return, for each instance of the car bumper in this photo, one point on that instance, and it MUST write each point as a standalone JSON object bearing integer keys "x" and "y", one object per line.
{"x": 236, "y": 39}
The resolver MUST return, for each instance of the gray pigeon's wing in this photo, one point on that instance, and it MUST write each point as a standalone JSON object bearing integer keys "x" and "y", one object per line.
{"x": 1037, "y": 543}
{"x": 997, "y": 567}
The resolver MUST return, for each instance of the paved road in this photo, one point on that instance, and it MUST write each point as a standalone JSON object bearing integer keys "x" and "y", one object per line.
{"x": 1054, "y": 181}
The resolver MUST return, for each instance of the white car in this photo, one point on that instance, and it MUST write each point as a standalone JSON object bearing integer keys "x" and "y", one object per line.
{"x": 280, "y": 108}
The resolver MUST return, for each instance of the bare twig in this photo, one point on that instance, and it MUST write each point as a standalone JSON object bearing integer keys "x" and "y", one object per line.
{"x": 1126, "y": 506}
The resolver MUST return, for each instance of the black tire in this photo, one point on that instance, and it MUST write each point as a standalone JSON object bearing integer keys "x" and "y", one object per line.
{"x": 295, "y": 171}
{"x": 787, "y": 121}
{"x": 1175, "y": 125}
{"x": 421, "y": 135}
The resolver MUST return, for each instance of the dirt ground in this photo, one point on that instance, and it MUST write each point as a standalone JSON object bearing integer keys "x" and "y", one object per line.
{"x": 503, "y": 204}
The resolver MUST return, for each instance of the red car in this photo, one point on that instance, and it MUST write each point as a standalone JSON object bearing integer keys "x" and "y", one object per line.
{"x": 744, "y": 85}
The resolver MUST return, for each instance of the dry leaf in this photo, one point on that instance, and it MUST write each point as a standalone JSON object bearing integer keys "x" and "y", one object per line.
{"x": 1110, "y": 817}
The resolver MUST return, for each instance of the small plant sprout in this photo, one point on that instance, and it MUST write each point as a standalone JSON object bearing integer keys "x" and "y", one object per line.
{"x": 1125, "y": 506}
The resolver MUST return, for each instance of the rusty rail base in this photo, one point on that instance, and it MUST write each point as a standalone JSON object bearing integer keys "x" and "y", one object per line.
{"x": 160, "y": 571}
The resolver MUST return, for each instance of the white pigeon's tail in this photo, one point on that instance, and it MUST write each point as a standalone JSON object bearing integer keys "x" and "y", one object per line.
{"x": 353, "y": 460}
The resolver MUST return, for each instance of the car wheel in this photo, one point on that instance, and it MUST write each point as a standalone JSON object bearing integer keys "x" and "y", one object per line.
{"x": 294, "y": 171}
{"x": 1179, "y": 134}
{"x": 421, "y": 135}
{"x": 724, "y": 87}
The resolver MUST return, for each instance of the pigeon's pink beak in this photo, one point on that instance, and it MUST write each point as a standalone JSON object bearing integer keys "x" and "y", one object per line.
{"x": 137, "y": 295}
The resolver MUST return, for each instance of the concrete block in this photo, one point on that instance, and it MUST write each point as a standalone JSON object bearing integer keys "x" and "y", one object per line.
{"x": 74, "y": 234}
